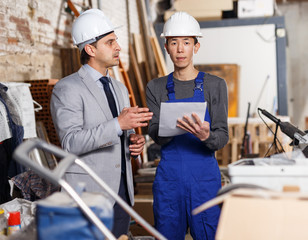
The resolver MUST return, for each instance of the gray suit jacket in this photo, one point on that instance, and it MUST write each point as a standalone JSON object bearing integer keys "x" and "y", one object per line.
{"x": 82, "y": 119}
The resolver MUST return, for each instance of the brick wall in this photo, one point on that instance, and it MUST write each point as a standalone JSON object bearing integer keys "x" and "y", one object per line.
{"x": 31, "y": 38}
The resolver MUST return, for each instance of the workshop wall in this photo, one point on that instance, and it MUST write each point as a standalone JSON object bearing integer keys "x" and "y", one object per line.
{"x": 31, "y": 38}
{"x": 296, "y": 19}
{"x": 32, "y": 33}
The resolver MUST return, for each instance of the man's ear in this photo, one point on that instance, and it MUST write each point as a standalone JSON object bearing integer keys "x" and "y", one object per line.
{"x": 196, "y": 48}
{"x": 90, "y": 50}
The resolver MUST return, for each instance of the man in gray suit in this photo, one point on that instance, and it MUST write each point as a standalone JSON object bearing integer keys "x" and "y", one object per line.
{"x": 92, "y": 114}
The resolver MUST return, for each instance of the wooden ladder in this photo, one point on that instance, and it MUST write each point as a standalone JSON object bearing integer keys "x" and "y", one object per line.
{"x": 128, "y": 85}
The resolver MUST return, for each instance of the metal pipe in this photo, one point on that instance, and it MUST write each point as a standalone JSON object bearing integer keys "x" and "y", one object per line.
{"x": 93, "y": 218}
{"x": 121, "y": 202}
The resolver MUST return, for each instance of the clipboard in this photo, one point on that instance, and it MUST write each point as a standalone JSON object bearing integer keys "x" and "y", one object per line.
{"x": 171, "y": 112}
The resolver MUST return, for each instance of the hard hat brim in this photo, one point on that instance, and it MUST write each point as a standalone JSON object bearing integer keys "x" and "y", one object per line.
{"x": 162, "y": 35}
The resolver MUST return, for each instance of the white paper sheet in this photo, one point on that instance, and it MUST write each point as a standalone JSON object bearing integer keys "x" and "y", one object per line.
{"x": 170, "y": 112}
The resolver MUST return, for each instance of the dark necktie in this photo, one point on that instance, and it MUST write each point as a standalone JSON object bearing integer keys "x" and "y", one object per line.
{"x": 109, "y": 95}
{"x": 113, "y": 108}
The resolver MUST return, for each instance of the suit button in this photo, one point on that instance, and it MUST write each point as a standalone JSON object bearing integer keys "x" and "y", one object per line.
{"x": 117, "y": 165}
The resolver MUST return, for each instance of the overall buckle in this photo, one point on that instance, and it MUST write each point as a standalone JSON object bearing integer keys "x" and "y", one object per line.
{"x": 198, "y": 86}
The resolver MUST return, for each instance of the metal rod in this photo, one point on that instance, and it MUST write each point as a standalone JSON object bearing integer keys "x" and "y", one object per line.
{"x": 243, "y": 152}
{"x": 121, "y": 202}
{"x": 92, "y": 217}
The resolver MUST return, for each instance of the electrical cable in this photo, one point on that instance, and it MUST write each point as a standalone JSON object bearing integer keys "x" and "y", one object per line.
{"x": 275, "y": 140}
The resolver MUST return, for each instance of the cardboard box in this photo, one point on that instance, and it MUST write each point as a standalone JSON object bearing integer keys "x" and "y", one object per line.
{"x": 199, "y": 15}
{"x": 144, "y": 188}
{"x": 144, "y": 207}
{"x": 184, "y": 5}
{"x": 255, "y": 8}
{"x": 258, "y": 214}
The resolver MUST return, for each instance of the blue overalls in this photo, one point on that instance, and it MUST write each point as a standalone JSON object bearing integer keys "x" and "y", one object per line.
{"x": 187, "y": 176}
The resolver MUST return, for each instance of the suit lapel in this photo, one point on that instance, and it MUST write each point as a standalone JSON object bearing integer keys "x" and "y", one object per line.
{"x": 118, "y": 93}
{"x": 96, "y": 92}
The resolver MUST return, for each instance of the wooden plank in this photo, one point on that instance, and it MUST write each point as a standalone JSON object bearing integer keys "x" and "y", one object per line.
{"x": 225, "y": 155}
{"x": 141, "y": 59}
{"x": 139, "y": 48}
{"x": 161, "y": 60}
{"x": 130, "y": 90}
{"x": 76, "y": 64}
{"x": 70, "y": 60}
{"x": 234, "y": 152}
{"x": 255, "y": 146}
{"x": 158, "y": 65}
{"x": 145, "y": 33}
{"x": 64, "y": 63}
{"x": 137, "y": 75}
{"x": 218, "y": 157}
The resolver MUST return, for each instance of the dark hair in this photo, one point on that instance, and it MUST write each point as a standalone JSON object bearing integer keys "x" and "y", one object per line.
{"x": 195, "y": 39}
{"x": 84, "y": 57}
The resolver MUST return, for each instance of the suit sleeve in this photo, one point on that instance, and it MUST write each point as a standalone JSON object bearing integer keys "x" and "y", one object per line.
{"x": 80, "y": 127}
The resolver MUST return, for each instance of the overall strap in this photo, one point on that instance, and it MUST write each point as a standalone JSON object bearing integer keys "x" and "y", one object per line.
{"x": 170, "y": 87}
{"x": 198, "y": 89}
{"x": 199, "y": 81}
{"x": 198, "y": 85}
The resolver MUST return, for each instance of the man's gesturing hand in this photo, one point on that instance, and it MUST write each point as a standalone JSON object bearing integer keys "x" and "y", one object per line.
{"x": 134, "y": 117}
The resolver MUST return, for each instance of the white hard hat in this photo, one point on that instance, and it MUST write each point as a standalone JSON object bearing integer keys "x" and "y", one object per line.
{"x": 90, "y": 25}
{"x": 181, "y": 24}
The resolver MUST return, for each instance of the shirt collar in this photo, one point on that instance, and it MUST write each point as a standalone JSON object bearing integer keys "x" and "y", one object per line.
{"x": 96, "y": 75}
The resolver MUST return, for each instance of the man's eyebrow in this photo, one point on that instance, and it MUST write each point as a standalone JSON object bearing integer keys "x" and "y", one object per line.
{"x": 111, "y": 39}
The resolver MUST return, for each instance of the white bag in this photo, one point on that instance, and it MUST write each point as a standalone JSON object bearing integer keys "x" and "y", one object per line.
{"x": 20, "y": 103}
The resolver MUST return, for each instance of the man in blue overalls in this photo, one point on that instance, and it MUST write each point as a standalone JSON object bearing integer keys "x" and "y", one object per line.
{"x": 188, "y": 174}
